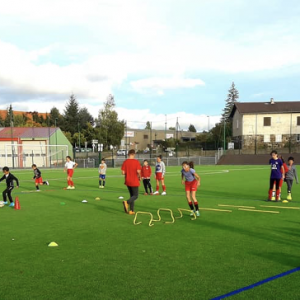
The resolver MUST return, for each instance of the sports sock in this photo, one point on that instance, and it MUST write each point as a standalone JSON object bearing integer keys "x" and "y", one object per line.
{"x": 270, "y": 194}
{"x": 157, "y": 188}
{"x": 37, "y": 187}
{"x": 44, "y": 182}
{"x": 191, "y": 205}
{"x": 277, "y": 194}
{"x": 103, "y": 182}
{"x": 196, "y": 205}
{"x": 273, "y": 193}
{"x": 71, "y": 183}
{"x": 100, "y": 182}
{"x": 164, "y": 188}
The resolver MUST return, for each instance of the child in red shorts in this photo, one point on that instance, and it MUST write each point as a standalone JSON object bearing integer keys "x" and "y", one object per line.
{"x": 38, "y": 178}
{"x": 191, "y": 182}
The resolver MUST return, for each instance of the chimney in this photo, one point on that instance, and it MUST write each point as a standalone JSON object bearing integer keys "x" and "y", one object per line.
{"x": 272, "y": 101}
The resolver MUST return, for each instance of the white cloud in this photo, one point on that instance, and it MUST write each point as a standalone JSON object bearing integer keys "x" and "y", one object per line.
{"x": 158, "y": 84}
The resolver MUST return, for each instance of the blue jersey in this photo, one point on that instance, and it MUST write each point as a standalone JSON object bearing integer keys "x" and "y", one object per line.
{"x": 276, "y": 165}
{"x": 189, "y": 176}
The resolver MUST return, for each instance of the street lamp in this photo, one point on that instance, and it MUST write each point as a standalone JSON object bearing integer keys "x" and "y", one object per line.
{"x": 112, "y": 156}
{"x": 79, "y": 137}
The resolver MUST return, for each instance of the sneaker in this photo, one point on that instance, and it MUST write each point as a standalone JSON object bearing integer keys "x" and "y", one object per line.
{"x": 163, "y": 193}
{"x": 125, "y": 204}
{"x": 151, "y": 193}
{"x": 156, "y": 193}
{"x": 38, "y": 190}
{"x": 5, "y": 202}
{"x": 72, "y": 188}
{"x": 47, "y": 182}
{"x": 131, "y": 213}
{"x": 68, "y": 188}
{"x": 99, "y": 186}
{"x": 145, "y": 194}
{"x": 197, "y": 213}
{"x": 102, "y": 186}
{"x": 289, "y": 196}
{"x": 192, "y": 213}
{"x": 273, "y": 198}
{"x": 12, "y": 204}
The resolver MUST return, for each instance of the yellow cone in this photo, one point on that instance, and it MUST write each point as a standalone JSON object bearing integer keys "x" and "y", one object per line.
{"x": 97, "y": 198}
{"x": 285, "y": 201}
{"x": 53, "y": 244}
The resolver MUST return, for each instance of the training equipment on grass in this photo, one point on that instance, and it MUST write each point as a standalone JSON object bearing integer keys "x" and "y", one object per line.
{"x": 215, "y": 209}
{"x": 285, "y": 201}
{"x": 261, "y": 211}
{"x": 2, "y": 203}
{"x": 53, "y": 244}
{"x": 144, "y": 213}
{"x": 17, "y": 203}
{"x": 241, "y": 206}
{"x": 285, "y": 207}
{"x": 121, "y": 197}
{"x": 84, "y": 201}
{"x": 97, "y": 198}
{"x": 159, "y": 217}
{"x": 188, "y": 210}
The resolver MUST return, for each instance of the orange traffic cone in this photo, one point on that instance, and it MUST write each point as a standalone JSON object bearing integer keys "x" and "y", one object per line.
{"x": 17, "y": 203}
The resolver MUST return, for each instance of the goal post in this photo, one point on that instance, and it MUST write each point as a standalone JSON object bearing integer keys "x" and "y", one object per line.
{"x": 43, "y": 155}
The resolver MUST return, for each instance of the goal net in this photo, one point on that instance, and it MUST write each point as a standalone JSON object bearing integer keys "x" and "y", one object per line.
{"x": 24, "y": 155}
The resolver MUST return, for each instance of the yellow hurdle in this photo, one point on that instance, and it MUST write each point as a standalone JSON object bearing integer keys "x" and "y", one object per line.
{"x": 188, "y": 210}
{"x": 159, "y": 217}
{"x": 215, "y": 209}
{"x": 238, "y": 206}
{"x": 144, "y": 213}
{"x": 262, "y": 211}
{"x": 286, "y": 207}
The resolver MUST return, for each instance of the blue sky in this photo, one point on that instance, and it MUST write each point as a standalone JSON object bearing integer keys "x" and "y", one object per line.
{"x": 160, "y": 59}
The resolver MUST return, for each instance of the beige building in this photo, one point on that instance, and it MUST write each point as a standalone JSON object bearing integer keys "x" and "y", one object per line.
{"x": 141, "y": 139}
{"x": 266, "y": 124}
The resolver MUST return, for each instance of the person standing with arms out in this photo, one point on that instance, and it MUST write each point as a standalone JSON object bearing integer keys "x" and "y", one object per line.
{"x": 102, "y": 173}
{"x": 277, "y": 172}
{"x": 10, "y": 178}
{"x": 131, "y": 168}
{"x": 160, "y": 170}
{"x": 69, "y": 168}
{"x": 146, "y": 175}
{"x": 191, "y": 180}
{"x": 289, "y": 176}
{"x": 38, "y": 178}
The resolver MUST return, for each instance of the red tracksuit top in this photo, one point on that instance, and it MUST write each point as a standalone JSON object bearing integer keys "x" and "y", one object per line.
{"x": 146, "y": 172}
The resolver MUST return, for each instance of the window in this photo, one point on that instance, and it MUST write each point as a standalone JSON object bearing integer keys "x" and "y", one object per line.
{"x": 146, "y": 136}
{"x": 298, "y": 121}
{"x": 278, "y": 138}
{"x": 298, "y": 137}
{"x": 237, "y": 123}
{"x": 267, "y": 138}
{"x": 267, "y": 121}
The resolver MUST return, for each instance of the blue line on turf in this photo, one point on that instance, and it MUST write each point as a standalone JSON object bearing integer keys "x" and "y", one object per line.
{"x": 257, "y": 284}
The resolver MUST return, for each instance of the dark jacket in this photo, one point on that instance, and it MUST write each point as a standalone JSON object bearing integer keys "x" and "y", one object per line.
{"x": 10, "y": 180}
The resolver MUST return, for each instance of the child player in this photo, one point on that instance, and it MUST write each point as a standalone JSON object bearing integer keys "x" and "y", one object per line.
{"x": 38, "y": 177}
{"x": 9, "y": 185}
{"x": 102, "y": 173}
{"x": 289, "y": 176}
{"x": 146, "y": 175}
{"x": 160, "y": 170}
{"x": 277, "y": 173}
{"x": 191, "y": 182}
{"x": 69, "y": 168}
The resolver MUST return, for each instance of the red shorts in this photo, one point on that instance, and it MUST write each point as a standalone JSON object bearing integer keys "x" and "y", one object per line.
{"x": 39, "y": 180}
{"x": 70, "y": 172}
{"x": 159, "y": 176}
{"x": 191, "y": 186}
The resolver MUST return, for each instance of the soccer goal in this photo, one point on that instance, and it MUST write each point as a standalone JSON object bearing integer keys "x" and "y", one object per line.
{"x": 25, "y": 154}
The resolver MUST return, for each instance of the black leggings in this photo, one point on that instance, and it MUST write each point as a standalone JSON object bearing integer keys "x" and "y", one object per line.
{"x": 7, "y": 192}
{"x": 134, "y": 193}
{"x": 147, "y": 185}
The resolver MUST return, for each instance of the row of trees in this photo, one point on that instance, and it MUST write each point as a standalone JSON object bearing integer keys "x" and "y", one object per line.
{"x": 79, "y": 126}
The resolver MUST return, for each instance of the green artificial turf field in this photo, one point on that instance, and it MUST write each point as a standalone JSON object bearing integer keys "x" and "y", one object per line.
{"x": 102, "y": 255}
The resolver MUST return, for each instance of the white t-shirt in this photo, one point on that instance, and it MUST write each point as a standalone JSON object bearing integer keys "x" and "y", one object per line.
{"x": 70, "y": 164}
